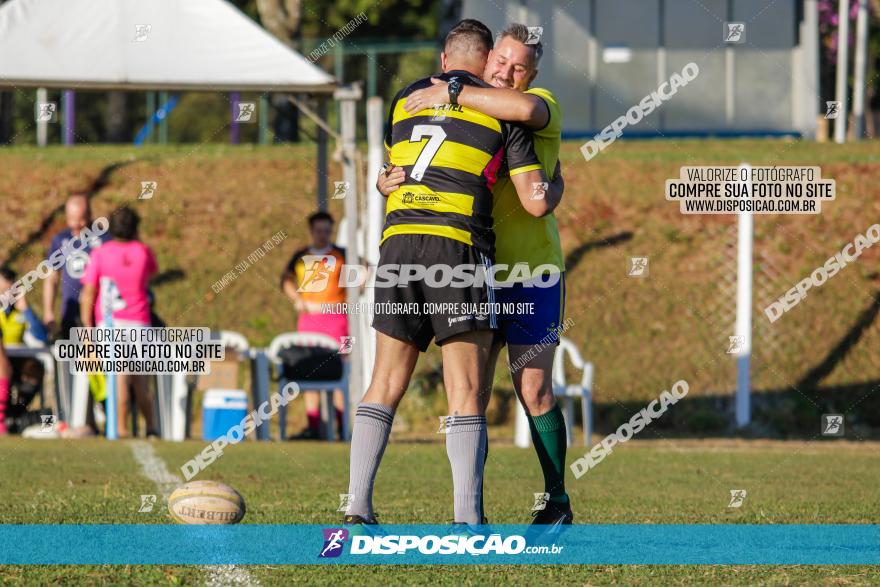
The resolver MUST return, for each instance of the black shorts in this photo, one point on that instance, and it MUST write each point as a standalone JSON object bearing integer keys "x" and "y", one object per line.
{"x": 431, "y": 307}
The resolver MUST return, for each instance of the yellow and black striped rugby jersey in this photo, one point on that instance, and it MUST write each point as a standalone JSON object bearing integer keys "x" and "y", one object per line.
{"x": 451, "y": 156}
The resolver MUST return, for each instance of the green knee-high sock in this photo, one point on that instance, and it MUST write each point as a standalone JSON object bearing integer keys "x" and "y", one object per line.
{"x": 548, "y": 436}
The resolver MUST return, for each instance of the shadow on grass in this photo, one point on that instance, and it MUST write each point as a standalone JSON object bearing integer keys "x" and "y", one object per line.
{"x": 48, "y": 221}
{"x": 573, "y": 258}
{"x": 792, "y": 412}
{"x": 776, "y": 413}
{"x": 169, "y": 276}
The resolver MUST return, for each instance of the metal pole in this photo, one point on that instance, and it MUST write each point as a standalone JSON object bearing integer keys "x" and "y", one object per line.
{"x": 744, "y": 313}
{"x": 109, "y": 292}
{"x": 371, "y": 72}
{"x": 842, "y": 61}
{"x": 163, "y": 122}
{"x": 69, "y": 98}
{"x": 260, "y": 377}
{"x": 322, "y": 156}
{"x": 809, "y": 100}
{"x": 151, "y": 109}
{"x": 42, "y": 125}
{"x": 372, "y": 226}
{"x": 233, "y": 127}
{"x": 375, "y": 201}
{"x": 264, "y": 119}
{"x": 339, "y": 73}
{"x": 348, "y": 97}
{"x": 861, "y": 67}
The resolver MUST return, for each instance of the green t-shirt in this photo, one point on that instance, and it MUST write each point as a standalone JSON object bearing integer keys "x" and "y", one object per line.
{"x": 519, "y": 236}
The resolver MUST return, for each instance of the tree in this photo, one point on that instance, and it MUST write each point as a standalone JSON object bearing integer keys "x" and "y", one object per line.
{"x": 283, "y": 18}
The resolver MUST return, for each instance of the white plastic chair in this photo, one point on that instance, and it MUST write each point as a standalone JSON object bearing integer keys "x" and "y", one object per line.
{"x": 174, "y": 394}
{"x": 33, "y": 348}
{"x": 328, "y": 410}
{"x": 566, "y": 393}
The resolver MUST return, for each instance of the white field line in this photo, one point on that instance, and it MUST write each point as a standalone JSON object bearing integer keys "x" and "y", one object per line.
{"x": 155, "y": 469}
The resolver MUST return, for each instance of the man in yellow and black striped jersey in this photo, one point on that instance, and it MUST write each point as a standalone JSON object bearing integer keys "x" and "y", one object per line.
{"x": 441, "y": 218}
{"x": 524, "y": 240}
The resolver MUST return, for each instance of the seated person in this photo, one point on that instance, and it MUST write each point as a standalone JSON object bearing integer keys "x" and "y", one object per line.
{"x": 18, "y": 318}
{"x": 24, "y": 374}
{"x": 311, "y": 265}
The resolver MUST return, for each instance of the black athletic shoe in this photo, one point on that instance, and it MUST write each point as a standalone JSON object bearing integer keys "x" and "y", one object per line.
{"x": 355, "y": 519}
{"x": 366, "y": 525}
{"x": 549, "y": 522}
{"x": 307, "y": 434}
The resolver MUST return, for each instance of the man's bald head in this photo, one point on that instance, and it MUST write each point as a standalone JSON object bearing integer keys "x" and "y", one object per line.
{"x": 467, "y": 46}
{"x": 77, "y": 212}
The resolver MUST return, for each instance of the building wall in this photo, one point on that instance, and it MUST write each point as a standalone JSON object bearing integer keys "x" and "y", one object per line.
{"x": 601, "y": 57}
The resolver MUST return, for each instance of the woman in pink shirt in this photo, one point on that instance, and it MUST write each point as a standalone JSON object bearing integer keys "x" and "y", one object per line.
{"x": 129, "y": 264}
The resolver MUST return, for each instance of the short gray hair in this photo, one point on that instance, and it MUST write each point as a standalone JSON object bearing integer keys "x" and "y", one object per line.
{"x": 520, "y": 32}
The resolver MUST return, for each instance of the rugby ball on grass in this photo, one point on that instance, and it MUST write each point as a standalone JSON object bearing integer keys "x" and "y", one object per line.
{"x": 206, "y": 502}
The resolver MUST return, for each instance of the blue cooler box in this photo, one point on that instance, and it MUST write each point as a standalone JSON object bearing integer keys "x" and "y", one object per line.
{"x": 221, "y": 410}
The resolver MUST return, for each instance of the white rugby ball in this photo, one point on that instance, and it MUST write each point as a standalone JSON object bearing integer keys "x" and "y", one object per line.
{"x": 206, "y": 502}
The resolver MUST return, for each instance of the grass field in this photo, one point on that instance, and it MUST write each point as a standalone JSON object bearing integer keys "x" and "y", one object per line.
{"x": 94, "y": 481}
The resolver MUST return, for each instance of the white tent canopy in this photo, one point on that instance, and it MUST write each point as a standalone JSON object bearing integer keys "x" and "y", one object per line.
{"x": 203, "y": 45}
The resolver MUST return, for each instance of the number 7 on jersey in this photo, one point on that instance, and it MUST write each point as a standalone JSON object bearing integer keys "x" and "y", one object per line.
{"x": 436, "y": 136}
